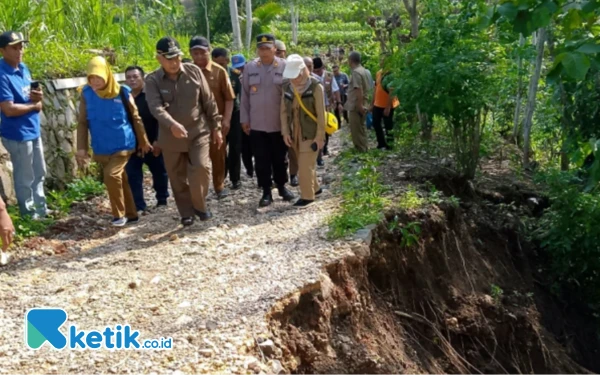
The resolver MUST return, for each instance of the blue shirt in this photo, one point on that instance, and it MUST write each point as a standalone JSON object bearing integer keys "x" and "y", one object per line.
{"x": 15, "y": 87}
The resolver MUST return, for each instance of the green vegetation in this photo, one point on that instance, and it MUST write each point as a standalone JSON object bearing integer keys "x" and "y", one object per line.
{"x": 60, "y": 202}
{"x": 497, "y": 293}
{"x": 410, "y": 200}
{"x": 65, "y": 34}
{"x": 362, "y": 194}
{"x": 569, "y": 234}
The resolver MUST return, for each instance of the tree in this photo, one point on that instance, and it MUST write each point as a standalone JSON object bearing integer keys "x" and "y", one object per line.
{"x": 517, "y": 116}
{"x": 235, "y": 24}
{"x": 413, "y": 13}
{"x": 248, "y": 24}
{"x": 531, "y": 97}
{"x": 449, "y": 72}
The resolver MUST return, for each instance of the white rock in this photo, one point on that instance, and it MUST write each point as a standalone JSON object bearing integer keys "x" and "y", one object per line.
{"x": 183, "y": 320}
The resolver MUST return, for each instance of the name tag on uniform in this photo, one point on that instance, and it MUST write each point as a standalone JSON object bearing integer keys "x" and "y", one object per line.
{"x": 165, "y": 91}
{"x": 118, "y": 100}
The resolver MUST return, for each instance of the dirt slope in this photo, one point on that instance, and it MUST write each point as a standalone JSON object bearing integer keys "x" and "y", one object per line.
{"x": 465, "y": 299}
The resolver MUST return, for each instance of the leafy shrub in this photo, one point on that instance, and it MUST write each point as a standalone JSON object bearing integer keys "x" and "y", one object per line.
{"x": 569, "y": 231}
{"x": 362, "y": 194}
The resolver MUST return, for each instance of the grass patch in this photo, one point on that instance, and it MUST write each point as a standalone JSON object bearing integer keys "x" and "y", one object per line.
{"x": 362, "y": 193}
{"x": 60, "y": 202}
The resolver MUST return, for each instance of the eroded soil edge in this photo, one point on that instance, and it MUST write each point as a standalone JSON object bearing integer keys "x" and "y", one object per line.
{"x": 465, "y": 299}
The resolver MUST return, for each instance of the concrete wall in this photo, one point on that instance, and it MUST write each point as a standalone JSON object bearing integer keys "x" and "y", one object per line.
{"x": 59, "y": 125}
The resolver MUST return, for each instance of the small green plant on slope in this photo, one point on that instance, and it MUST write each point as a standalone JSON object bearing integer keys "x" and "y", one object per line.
{"x": 362, "y": 194}
{"x": 497, "y": 293}
{"x": 410, "y": 199}
{"x": 410, "y": 234}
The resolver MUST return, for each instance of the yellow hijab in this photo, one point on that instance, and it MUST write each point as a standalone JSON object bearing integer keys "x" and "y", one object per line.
{"x": 99, "y": 67}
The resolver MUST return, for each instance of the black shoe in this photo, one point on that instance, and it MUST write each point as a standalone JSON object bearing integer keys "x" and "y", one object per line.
{"x": 223, "y": 193}
{"x": 187, "y": 221}
{"x": 161, "y": 204}
{"x": 286, "y": 194}
{"x": 294, "y": 180}
{"x": 303, "y": 203}
{"x": 236, "y": 185}
{"x": 266, "y": 200}
{"x": 320, "y": 163}
{"x": 319, "y": 192}
{"x": 204, "y": 216}
{"x": 250, "y": 174}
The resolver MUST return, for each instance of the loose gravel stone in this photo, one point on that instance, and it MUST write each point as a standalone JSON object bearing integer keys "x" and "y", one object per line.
{"x": 207, "y": 286}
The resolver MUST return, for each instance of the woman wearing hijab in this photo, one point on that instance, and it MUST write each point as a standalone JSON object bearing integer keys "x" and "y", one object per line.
{"x": 303, "y": 124}
{"x": 107, "y": 110}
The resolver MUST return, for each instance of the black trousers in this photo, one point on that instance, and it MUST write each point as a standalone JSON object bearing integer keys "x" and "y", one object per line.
{"x": 270, "y": 152}
{"x": 385, "y": 137}
{"x": 247, "y": 154}
{"x": 234, "y": 139}
{"x": 135, "y": 175}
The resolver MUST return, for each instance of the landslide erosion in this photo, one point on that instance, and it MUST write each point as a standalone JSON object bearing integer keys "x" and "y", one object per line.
{"x": 444, "y": 288}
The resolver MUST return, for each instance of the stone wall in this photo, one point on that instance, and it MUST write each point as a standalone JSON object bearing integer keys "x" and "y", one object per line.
{"x": 59, "y": 125}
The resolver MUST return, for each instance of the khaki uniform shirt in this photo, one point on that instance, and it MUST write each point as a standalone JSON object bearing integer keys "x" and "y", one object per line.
{"x": 219, "y": 83}
{"x": 358, "y": 79}
{"x": 261, "y": 95}
{"x": 188, "y": 100}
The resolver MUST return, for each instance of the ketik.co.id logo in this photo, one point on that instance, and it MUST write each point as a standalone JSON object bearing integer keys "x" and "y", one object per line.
{"x": 43, "y": 325}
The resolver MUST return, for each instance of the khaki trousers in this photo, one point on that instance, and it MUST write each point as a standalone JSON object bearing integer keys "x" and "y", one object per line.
{"x": 293, "y": 161}
{"x": 117, "y": 185}
{"x": 189, "y": 174}
{"x": 307, "y": 170}
{"x": 218, "y": 157}
{"x": 358, "y": 129}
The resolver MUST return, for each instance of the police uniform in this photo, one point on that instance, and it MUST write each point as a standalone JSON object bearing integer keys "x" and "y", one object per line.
{"x": 260, "y": 108}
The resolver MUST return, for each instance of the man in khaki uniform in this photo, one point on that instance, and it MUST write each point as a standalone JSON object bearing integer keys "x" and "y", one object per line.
{"x": 218, "y": 80}
{"x": 180, "y": 98}
{"x": 357, "y": 102}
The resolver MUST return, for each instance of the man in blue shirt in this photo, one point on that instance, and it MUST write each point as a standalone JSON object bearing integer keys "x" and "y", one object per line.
{"x": 20, "y": 107}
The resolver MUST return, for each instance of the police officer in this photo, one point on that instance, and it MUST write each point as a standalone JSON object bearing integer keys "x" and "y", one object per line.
{"x": 260, "y": 117}
{"x": 180, "y": 98}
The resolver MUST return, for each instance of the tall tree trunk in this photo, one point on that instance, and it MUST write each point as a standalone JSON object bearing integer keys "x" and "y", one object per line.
{"x": 204, "y": 4}
{"x": 531, "y": 96}
{"x": 411, "y": 8}
{"x": 294, "y": 13}
{"x": 235, "y": 24}
{"x": 517, "y": 117}
{"x": 248, "y": 24}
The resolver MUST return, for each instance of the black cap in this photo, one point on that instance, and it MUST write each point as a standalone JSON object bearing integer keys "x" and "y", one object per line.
{"x": 200, "y": 42}
{"x": 10, "y": 38}
{"x": 317, "y": 63}
{"x": 265, "y": 40}
{"x": 168, "y": 47}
